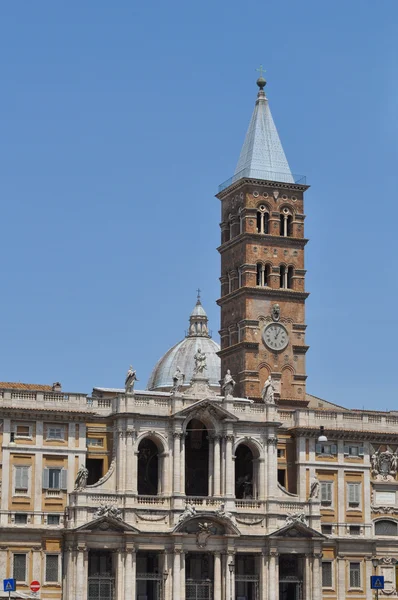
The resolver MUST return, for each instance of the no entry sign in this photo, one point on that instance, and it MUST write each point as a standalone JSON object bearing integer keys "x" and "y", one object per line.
{"x": 35, "y": 586}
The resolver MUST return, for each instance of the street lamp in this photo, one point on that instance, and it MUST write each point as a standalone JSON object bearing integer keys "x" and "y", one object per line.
{"x": 231, "y": 568}
{"x": 375, "y": 563}
{"x": 322, "y": 437}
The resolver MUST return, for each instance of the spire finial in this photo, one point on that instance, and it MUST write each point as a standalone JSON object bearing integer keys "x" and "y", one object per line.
{"x": 198, "y": 296}
{"x": 261, "y": 82}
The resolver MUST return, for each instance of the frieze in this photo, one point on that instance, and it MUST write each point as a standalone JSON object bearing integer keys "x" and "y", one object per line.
{"x": 384, "y": 510}
{"x": 149, "y": 517}
{"x": 249, "y": 521}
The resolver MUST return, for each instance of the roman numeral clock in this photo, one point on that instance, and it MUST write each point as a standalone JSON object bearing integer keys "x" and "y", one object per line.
{"x": 275, "y": 337}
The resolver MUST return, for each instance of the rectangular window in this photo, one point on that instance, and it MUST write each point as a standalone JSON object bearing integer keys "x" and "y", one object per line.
{"x": 355, "y": 530}
{"x": 281, "y": 452}
{"x": 353, "y": 450}
{"x": 55, "y": 432}
{"x": 355, "y": 575}
{"x": 326, "y": 449}
{"x": 327, "y": 529}
{"x": 327, "y": 575}
{"x": 52, "y": 562}
{"x": 354, "y": 495}
{"x": 21, "y": 480}
{"x": 326, "y": 493}
{"x": 19, "y": 568}
{"x": 95, "y": 442}
{"x": 22, "y": 431}
{"x": 52, "y": 519}
{"x": 54, "y": 479}
{"x": 20, "y": 519}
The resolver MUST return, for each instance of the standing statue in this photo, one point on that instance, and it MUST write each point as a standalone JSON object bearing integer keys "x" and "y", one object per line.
{"x": 200, "y": 362}
{"x": 374, "y": 462}
{"x": 130, "y": 380}
{"x": 314, "y": 491}
{"x": 189, "y": 511}
{"x": 81, "y": 478}
{"x": 228, "y": 385}
{"x": 178, "y": 379}
{"x": 268, "y": 391}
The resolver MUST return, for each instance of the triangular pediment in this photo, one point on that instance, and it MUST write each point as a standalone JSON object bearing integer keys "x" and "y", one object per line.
{"x": 297, "y": 530}
{"x": 107, "y": 525}
{"x": 207, "y": 406}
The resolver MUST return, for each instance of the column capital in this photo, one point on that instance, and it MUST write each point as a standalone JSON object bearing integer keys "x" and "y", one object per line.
{"x": 273, "y": 441}
{"x": 229, "y": 437}
{"x": 273, "y": 553}
{"x": 317, "y": 555}
{"x": 130, "y": 549}
{"x": 178, "y": 434}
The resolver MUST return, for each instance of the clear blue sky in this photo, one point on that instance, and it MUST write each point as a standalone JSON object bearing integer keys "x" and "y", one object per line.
{"x": 118, "y": 122}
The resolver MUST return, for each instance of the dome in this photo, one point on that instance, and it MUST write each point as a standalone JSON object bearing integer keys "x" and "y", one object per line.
{"x": 182, "y": 355}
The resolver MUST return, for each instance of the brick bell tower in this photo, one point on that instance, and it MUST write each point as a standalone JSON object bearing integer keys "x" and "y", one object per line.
{"x": 262, "y": 266}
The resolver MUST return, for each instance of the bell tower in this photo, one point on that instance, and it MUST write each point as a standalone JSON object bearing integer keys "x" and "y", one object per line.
{"x": 262, "y": 266}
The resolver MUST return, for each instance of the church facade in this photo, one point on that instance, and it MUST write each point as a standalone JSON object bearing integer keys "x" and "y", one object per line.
{"x": 224, "y": 479}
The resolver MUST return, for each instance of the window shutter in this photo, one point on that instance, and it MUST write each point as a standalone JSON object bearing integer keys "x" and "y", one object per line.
{"x": 361, "y": 451}
{"x": 18, "y": 477}
{"x": 318, "y": 448}
{"x": 333, "y": 449}
{"x": 46, "y": 479}
{"x": 353, "y": 493}
{"x": 64, "y": 474}
{"x": 25, "y": 477}
{"x": 346, "y": 450}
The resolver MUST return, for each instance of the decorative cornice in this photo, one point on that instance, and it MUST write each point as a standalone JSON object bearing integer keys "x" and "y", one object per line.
{"x": 279, "y": 241}
{"x": 341, "y": 434}
{"x": 263, "y": 292}
{"x": 260, "y": 183}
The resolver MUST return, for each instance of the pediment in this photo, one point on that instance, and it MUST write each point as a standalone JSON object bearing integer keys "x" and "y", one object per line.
{"x": 207, "y": 406}
{"x": 107, "y": 525}
{"x": 297, "y": 530}
{"x": 206, "y": 521}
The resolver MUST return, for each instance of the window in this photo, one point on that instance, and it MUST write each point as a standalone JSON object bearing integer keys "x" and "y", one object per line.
{"x": 327, "y": 529}
{"x": 20, "y": 519}
{"x": 54, "y": 479}
{"x": 22, "y": 431}
{"x": 386, "y": 527}
{"x": 21, "y": 480}
{"x": 282, "y": 477}
{"x": 327, "y": 575}
{"x": 52, "y": 519}
{"x": 353, "y": 451}
{"x": 95, "y": 442}
{"x": 327, "y": 449}
{"x": 55, "y": 432}
{"x": 19, "y": 568}
{"x": 263, "y": 273}
{"x": 286, "y": 222}
{"x": 262, "y": 219}
{"x": 355, "y": 530}
{"x": 281, "y": 452}
{"x": 286, "y": 277}
{"x": 354, "y": 494}
{"x": 52, "y": 562}
{"x": 355, "y": 575}
{"x": 326, "y": 493}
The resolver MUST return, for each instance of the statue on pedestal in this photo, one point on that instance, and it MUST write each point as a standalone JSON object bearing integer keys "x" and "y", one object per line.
{"x": 178, "y": 380}
{"x": 228, "y": 385}
{"x": 130, "y": 380}
{"x": 81, "y": 478}
{"x": 200, "y": 359}
{"x": 268, "y": 391}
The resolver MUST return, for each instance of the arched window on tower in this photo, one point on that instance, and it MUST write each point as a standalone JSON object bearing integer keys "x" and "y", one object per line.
{"x": 263, "y": 273}
{"x": 262, "y": 219}
{"x": 286, "y": 222}
{"x": 286, "y": 277}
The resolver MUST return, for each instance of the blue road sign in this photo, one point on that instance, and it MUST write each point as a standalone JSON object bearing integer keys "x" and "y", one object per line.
{"x": 377, "y": 582}
{"x": 9, "y": 585}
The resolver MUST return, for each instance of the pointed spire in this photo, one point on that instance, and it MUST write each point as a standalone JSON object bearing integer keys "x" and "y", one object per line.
{"x": 198, "y": 321}
{"x": 262, "y": 155}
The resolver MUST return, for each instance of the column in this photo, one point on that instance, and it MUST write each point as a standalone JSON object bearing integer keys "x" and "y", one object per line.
{"x": 176, "y": 462}
{"x": 129, "y": 579}
{"x": 217, "y": 466}
{"x": 80, "y": 571}
{"x": 120, "y": 559}
{"x": 177, "y": 575}
{"x": 129, "y": 477}
{"x": 307, "y": 578}
{"x": 168, "y": 581}
{"x": 263, "y": 592}
{"x": 368, "y": 574}
{"x": 36, "y": 485}
{"x": 182, "y": 464}
{"x": 222, "y": 466}
{"x": 272, "y": 466}
{"x": 273, "y": 576}
{"x": 260, "y": 479}
{"x": 211, "y": 466}
{"x": 68, "y": 576}
{"x": 341, "y": 570}
{"x": 229, "y": 467}
{"x": 316, "y": 576}
{"x": 217, "y": 576}
{"x": 120, "y": 459}
{"x": 182, "y": 575}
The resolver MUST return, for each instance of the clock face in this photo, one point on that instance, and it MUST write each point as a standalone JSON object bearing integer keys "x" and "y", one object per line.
{"x": 275, "y": 337}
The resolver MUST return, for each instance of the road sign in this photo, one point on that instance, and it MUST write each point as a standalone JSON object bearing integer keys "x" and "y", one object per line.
{"x": 35, "y": 586}
{"x": 9, "y": 585}
{"x": 377, "y": 582}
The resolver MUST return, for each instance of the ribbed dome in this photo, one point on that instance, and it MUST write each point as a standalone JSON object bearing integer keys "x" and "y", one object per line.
{"x": 182, "y": 355}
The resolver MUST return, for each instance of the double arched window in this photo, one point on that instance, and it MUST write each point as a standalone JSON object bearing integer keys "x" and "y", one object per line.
{"x": 262, "y": 219}
{"x": 286, "y": 223}
{"x": 263, "y": 275}
{"x": 286, "y": 277}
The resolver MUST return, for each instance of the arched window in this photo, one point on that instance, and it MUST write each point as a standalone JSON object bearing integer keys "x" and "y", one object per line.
{"x": 246, "y": 485}
{"x": 286, "y": 277}
{"x": 148, "y": 468}
{"x": 240, "y": 221}
{"x": 286, "y": 222}
{"x": 263, "y": 273}
{"x": 196, "y": 459}
{"x": 262, "y": 219}
{"x": 385, "y": 527}
{"x": 229, "y": 282}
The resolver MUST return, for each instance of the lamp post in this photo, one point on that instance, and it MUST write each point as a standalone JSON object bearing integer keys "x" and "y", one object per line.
{"x": 375, "y": 563}
{"x": 231, "y": 568}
